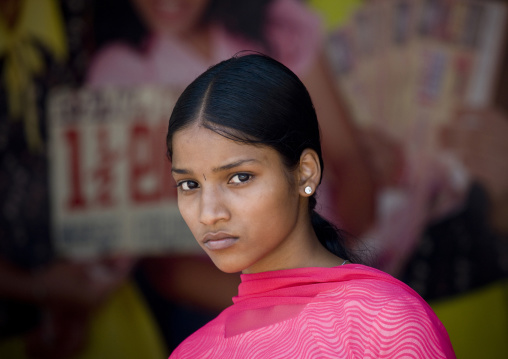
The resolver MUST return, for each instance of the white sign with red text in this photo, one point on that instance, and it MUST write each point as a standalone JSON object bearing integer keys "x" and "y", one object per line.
{"x": 111, "y": 185}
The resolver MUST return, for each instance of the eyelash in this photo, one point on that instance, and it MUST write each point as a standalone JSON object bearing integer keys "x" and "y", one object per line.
{"x": 248, "y": 175}
{"x": 181, "y": 183}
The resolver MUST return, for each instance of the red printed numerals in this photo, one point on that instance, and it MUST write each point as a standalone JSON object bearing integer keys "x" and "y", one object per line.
{"x": 149, "y": 171}
{"x": 76, "y": 198}
{"x": 133, "y": 169}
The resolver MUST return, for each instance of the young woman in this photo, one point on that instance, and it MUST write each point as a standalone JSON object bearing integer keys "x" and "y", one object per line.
{"x": 245, "y": 148}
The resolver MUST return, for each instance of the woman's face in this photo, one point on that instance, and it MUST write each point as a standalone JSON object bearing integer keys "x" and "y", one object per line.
{"x": 173, "y": 17}
{"x": 240, "y": 202}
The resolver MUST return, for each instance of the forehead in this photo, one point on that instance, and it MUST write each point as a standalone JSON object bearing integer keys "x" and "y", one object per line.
{"x": 197, "y": 146}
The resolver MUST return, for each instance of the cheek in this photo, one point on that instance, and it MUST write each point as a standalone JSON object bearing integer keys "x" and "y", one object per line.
{"x": 186, "y": 210}
{"x": 270, "y": 206}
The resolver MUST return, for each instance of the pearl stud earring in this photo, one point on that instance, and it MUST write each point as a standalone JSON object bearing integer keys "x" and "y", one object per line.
{"x": 308, "y": 189}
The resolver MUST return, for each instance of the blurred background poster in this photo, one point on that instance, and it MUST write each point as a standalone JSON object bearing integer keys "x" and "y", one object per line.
{"x": 396, "y": 59}
{"x": 111, "y": 184}
{"x": 95, "y": 258}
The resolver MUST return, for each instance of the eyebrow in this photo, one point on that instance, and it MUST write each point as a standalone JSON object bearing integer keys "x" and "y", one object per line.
{"x": 229, "y": 166}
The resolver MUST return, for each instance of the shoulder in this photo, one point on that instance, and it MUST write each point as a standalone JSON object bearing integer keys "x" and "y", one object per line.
{"x": 386, "y": 316}
{"x": 117, "y": 64}
{"x": 295, "y": 34}
{"x": 406, "y": 324}
{"x": 379, "y": 290}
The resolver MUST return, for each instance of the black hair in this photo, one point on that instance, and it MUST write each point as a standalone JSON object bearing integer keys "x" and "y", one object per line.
{"x": 257, "y": 100}
{"x": 246, "y": 18}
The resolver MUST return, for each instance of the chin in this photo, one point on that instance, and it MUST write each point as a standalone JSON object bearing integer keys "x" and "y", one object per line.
{"x": 228, "y": 266}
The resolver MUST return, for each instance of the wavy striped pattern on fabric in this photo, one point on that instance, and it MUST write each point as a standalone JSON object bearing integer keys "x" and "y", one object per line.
{"x": 367, "y": 318}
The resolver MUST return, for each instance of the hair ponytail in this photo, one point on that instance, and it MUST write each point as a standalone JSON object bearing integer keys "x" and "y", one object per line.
{"x": 332, "y": 238}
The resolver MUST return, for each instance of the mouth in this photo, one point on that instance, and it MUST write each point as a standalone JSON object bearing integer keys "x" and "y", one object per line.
{"x": 219, "y": 240}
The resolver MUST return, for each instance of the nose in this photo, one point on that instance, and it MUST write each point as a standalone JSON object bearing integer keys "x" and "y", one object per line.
{"x": 213, "y": 207}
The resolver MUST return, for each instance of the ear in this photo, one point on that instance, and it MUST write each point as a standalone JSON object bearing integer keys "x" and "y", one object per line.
{"x": 309, "y": 172}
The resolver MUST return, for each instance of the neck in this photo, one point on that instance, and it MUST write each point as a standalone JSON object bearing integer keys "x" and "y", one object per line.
{"x": 199, "y": 40}
{"x": 306, "y": 251}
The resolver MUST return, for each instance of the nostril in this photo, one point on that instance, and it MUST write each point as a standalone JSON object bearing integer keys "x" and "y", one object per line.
{"x": 213, "y": 209}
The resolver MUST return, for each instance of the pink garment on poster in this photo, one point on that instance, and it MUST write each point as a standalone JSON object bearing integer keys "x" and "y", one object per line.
{"x": 292, "y": 30}
{"x": 350, "y": 311}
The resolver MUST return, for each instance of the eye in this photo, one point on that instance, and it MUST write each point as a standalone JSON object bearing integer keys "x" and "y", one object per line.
{"x": 240, "y": 178}
{"x": 187, "y": 185}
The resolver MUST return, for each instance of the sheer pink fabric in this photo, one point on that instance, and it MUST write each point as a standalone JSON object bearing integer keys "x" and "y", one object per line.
{"x": 351, "y": 311}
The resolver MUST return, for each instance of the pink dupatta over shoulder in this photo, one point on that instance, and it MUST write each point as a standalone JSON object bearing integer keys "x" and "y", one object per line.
{"x": 351, "y": 311}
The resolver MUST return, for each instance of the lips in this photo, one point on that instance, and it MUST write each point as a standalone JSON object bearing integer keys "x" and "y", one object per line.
{"x": 219, "y": 240}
